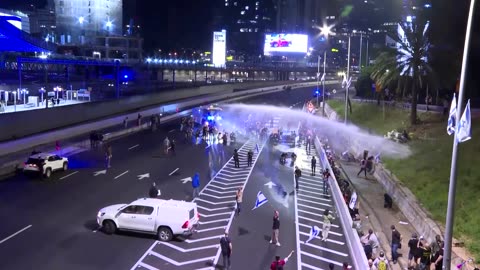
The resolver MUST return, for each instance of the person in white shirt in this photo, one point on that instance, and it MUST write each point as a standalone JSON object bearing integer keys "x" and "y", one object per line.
{"x": 381, "y": 263}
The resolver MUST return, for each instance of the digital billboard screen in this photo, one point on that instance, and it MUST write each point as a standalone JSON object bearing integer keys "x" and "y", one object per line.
{"x": 276, "y": 44}
{"x": 219, "y": 48}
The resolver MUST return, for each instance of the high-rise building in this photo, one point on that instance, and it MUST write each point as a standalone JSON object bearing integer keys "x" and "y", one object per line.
{"x": 246, "y": 22}
{"x": 79, "y": 21}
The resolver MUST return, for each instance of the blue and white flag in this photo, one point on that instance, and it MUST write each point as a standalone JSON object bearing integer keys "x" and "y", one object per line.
{"x": 261, "y": 200}
{"x": 314, "y": 232}
{"x": 451, "y": 116}
{"x": 256, "y": 148}
{"x": 323, "y": 78}
{"x": 464, "y": 131}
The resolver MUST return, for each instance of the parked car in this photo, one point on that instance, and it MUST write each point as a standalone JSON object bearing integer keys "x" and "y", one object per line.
{"x": 45, "y": 164}
{"x": 164, "y": 218}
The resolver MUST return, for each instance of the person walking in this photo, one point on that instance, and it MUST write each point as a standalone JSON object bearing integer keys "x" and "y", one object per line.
{"x": 278, "y": 264}
{"x": 314, "y": 165}
{"x": 172, "y": 147}
{"x": 326, "y": 176}
{"x": 196, "y": 185}
{"x": 239, "y": 198}
{"x": 327, "y": 223}
{"x": 249, "y": 158}
{"x": 153, "y": 192}
{"x": 298, "y": 174}
{"x": 226, "y": 248}
{"x": 236, "y": 158}
{"x": 308, "y": 144}
{"x": 108, "y": 156}
{"x": 438, "y": 258}
{"x": 381, "y": 263}
{"x": 363, "y": 168}
{"x": 396, "y": 240}
{"x": 125, "y": 122}
{"x": 166, "y": 145}
{"x": 275, "y": 228}
{"x": 413, "y": 251}
{"x": 425, "y": 252}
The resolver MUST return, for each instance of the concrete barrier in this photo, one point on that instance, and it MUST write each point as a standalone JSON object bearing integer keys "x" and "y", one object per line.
{"x": 359, "y": 259}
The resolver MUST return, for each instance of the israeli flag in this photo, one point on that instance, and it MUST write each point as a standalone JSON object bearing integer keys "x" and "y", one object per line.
{"x": 314, "y": 232}
{"x": 261, "y": 200}
{"x": 323, "y": 78}
{"x": 451, "y": 116}
{"x": 464, "y": 131}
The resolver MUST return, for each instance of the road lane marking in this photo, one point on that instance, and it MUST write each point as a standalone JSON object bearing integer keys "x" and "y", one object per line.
{"x": 149, "y": 267}
{"x": 323, "y": 259}
{"x": 68, "y": 175}
{"x": 153, "y": 253}
{"x": 211, "y": 229}
{"x": 120, "y": 175}
{"x": 13, "y": 235}
{"x": 326, "y": 249}
{"x": 204, "y": 238}
{"x": 133, "y": 147}
{"x": 190, "y": 249}
{"x": 212, "y": 221}
{"x": 320, "y": 238}
{"x": 173, "y": 171}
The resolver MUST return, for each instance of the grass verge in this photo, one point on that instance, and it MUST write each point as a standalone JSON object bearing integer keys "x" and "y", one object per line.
{"x": 426, "y": 173}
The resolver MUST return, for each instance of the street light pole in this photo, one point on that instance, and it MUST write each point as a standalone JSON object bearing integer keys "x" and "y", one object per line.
{"x": 323, "y": 81}
{"x": 360, "y": 58}
{"x": 348, "y": 78}
{"x": 447, "y": 255}
{"x": 318, "y": 78}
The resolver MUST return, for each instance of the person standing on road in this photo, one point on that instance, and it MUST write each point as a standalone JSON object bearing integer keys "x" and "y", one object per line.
{"x": 363, "y": 168}
{"x": 438, "y": 258}
{"x": 275, "y": 228}
{"x": 278, "y": 264}
{"x": 298, "y": 174}
{"x": 413, "y": 251}
{"x": 196, "y": 185}
{"x": 239, "y": 199}
{"x": 249, "y": 158}
{"x": 236, "y": 158}
{"x": 226, "y": 248}
{"x": 308, "y": 144}
{"x": 108, "y": 156}
{"x": 314, "y": 165}
{"x": 396, "y": 240}
{"x": 327, "y": 223}
{"x": 172, "y": 147}
{"x": 153, "y": 192}
{"x": 326, "y": 176}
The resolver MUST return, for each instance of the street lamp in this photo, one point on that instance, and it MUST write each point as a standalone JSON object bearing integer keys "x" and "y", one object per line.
{"x": 42, "y": 91}
{"x": 325, "y": 30}
{"x": 24, "y": 93}
{"x": 81, "y": 20}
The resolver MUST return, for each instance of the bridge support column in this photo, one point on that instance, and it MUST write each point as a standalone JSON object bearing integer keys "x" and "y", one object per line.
{"x": 173, "y": 77}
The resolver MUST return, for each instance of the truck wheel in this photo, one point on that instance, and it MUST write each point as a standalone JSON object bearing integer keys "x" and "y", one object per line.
{"x": 109, "y": 227}
{"x": 48, "y": 173}
{"x": 164, "y": 234}
{"x": 65, "y": 166}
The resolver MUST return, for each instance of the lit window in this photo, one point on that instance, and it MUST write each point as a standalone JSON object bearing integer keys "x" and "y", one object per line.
{"x": 247, "y": 7}
{"x": 235, "y": 3}
{"x": 242, "y": 12}
{"x": 257, "y": 3}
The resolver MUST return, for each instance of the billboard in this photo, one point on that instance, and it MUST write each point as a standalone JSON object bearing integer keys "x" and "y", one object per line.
{"x": 278, "y": 44}
{"x": 219, "y": 48}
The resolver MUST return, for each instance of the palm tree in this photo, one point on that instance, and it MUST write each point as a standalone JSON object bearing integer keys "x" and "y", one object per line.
{"x": 408, "y": 62}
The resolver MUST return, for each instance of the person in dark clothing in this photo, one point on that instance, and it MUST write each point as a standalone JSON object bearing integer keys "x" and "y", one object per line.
{"x": 298, "y": 174}
{"x": 425, "y": 252}
{"x": 438, "y": 258}
{"x": 413, "y": 251}
{"x": 224, "y": 138}
{"x": 308, "y": 144}
{"x": 172, "y": 147}
{"x": 314, "y": 165}
{"x": 363, "y": 168}
{"x": 226, "y": 248}
{"x": 326, "y": 176}
{"x": 236, "y": 158}
{"x": 275, "y": 228}
{"x": 153, "y": 192}
{"x": 249, "y": 158}
{"x": 396, "y": 239}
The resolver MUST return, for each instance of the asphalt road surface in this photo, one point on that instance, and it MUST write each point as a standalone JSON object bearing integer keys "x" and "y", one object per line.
{"x": 52, "y": 224}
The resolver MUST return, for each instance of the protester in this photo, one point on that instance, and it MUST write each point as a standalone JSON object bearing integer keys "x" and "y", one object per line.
{"x": 226, "y": 249}
{"x": 108, "y": 156}
{"x": 278, "y": 263}
{"x": 196, "y": 185}
{"x": 314, "y": 165}
{"x": 239, "y": 198}
{"x": 413, "y": 251}
{"x": 438, "y": 258}
{"x": 153, "y": 192}
{"x": 249, "y": 158}
{"x": 236, "y": 158}
{"x": 298, "y": 174}
{"x": 425, "y": 252}
{"x": 327, "y": 223}
{"x": 326, "y": 176}
{"x": 381, "y": 263}
{"x": 396, "y": 242}
{"x": 363, "y": 168}
{"x": 275, "y": 228}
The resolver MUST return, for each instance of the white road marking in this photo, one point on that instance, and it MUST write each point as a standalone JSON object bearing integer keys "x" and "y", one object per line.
{"x": 149, "y": 267}
{"x": 188, "y": 250}
{"x": 204, "y": 238}
{"x": 99, "y": 172}
{"x": 326, "y": 249}
{"x": 310, "y": 266}
{"x": 178, "y": 263}
{"x": 120, "y": 175}
{"x": 213, "y": 209}
{"x": 319, "y": 203}
{"x": 214, "y": 215}
{"x": 173, "y": 171}
{"x": 319, "y": 238}
{"x": 323, "y": 259}
{"x": 317, "y": 221}
{"x": 212, "y": 229}
{"x": 13, "y": 235}
{"x": 213, "y": 221}
{"x": 68, "y": 175}
{"x": 133, "y": 147}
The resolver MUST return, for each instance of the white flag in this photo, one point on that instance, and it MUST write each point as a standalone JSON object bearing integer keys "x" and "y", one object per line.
{"x": 314, "y": 232}
{"x": 451, "y": 116}
{"x": 464, "y": 131}
{"x": 261, "y": 200}
{"x": 323, "y": 78}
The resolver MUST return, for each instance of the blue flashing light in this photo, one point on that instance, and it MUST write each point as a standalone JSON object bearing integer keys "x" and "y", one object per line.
{"x": 427, "y": 5}
{"x": 187, "y": 62}
{"x": 176, "y": 61}
{"x": 181, "y": 61}
{"x": 125, "y": 76}
{"x": 171, "y": 60}
{"x": 209, "y": 118}
{"x": 219, "y": 118}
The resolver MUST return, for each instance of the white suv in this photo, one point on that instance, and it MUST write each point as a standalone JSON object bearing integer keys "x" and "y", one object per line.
{"x": 45, "y": 164}
{"x": 165, "y": 218}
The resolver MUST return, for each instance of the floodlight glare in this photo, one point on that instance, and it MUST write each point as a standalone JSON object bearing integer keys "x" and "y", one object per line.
{"x": 326, "y": 30}
{"x": 81, "y": 20}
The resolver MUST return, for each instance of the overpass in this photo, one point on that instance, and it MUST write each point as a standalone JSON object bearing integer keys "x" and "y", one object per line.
{"x": 13, "y": 39}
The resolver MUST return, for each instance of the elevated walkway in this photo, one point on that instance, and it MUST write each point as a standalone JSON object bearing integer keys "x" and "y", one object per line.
{"x": 13, "y": 39}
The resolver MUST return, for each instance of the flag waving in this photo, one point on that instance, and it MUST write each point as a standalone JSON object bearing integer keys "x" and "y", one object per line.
{"x": 261, "y": 200}
{"x": 451, "y": 116}
{"x": 314, "y": 232}
{"x": 323, "y": 78}
{"x": 464, "y": 131}
{"x": 256, "y": 148}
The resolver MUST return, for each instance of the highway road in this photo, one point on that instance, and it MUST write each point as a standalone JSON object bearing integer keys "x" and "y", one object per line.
{"x": 51, "y": 224}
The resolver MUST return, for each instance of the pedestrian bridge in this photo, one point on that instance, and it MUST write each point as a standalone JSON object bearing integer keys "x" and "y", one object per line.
{"x": 13, "y": 39}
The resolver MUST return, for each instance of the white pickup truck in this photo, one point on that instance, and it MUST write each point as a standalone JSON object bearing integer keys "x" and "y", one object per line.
{"x": 165, "y": 218}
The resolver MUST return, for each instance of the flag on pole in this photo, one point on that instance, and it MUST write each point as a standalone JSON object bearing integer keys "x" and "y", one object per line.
{"x": 323, "y": 78}
{"x": 314, "y": 232}
{"x": 451, "y": 116}
{"x": 464, "y": 131}
{"x": 261, "y": 200}
{"x": 256, "y": 148}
